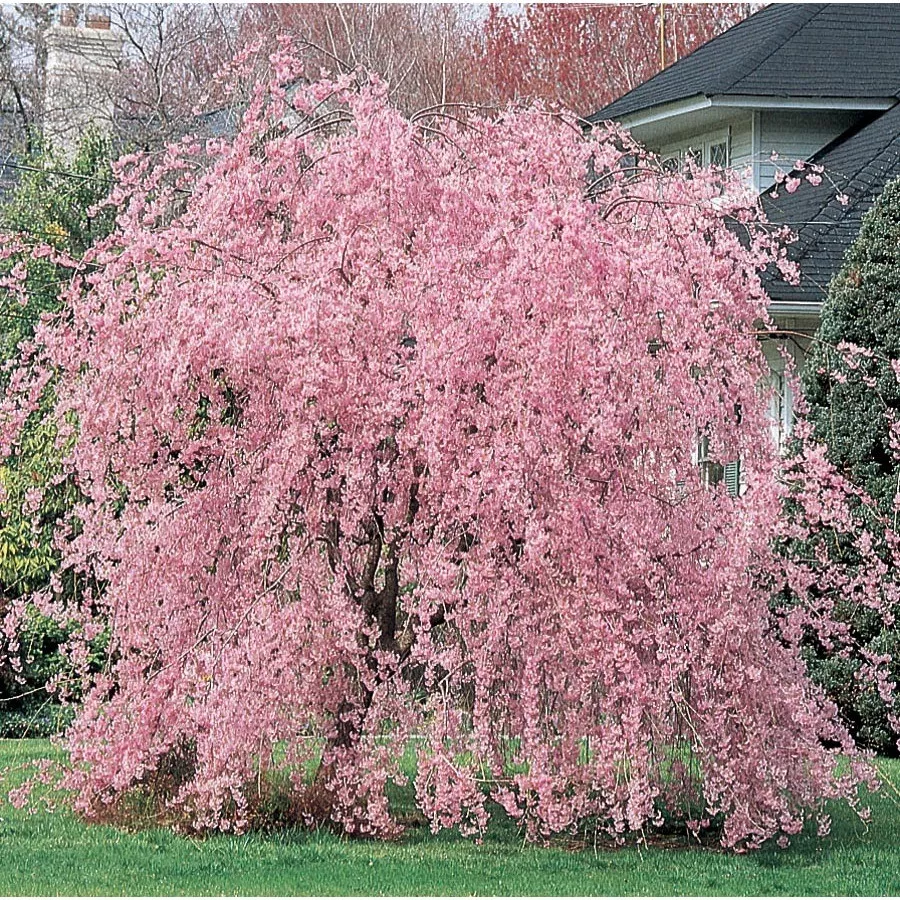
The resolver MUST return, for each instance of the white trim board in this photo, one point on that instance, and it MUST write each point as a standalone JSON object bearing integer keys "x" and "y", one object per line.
{"x": 747, "y": 101}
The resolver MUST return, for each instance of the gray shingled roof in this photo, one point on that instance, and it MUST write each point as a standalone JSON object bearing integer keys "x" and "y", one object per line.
{"x": 811, "y": 50}
{"x": 859, "y": 163}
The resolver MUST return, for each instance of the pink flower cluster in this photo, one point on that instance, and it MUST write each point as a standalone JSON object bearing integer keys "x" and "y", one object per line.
{"x": 386, "y": 434}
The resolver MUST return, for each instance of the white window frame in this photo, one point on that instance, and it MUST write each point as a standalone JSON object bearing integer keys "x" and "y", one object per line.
{"x": 701, "y": 145}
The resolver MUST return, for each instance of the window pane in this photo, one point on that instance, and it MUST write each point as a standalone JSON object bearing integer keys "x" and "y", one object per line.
{"x": 718, "y": 154}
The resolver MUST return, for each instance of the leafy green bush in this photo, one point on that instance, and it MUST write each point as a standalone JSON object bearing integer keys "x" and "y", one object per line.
{"x": 35, "y": 719}
{"x": 853, "y": 401}
{"x": 53, "y": 204}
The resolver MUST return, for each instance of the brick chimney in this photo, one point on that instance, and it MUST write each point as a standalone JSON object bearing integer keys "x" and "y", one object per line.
{"x": 81, "y": 59}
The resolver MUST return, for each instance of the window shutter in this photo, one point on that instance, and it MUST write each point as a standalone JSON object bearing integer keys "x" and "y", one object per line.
{"x": 733, "y": 478}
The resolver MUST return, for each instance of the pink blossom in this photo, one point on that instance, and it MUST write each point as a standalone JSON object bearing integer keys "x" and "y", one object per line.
{"x": 386, "y": 439}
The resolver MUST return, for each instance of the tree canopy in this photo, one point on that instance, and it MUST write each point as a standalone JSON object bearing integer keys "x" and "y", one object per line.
{"x": 385, "y": 437}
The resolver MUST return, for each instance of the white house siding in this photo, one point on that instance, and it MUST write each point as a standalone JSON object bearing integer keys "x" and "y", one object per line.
{"x": 796, "y": 134}
{"x": 742, "y": 143}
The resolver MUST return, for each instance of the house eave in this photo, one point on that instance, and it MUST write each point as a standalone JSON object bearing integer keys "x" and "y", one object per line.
{"x": 654, "y": 114}
{"x": 664, "y": 111}
{"x": 751, "y": 101}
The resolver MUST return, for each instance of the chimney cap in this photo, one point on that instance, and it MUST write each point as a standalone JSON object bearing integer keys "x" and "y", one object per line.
{"x": 97, "y": 20}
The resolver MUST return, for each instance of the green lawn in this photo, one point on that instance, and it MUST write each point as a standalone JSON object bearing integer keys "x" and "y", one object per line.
{"x": 52, "y": 853}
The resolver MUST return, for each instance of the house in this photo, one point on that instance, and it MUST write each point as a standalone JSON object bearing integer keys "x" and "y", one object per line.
{"x": 813, "y": 82}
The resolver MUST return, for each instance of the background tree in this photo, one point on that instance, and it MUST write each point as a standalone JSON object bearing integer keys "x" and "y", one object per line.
{"x": 854, "y": 404}
{"x": 137, "y": 71}
{"x": 583, "y": 56}
{"x": 23, "y": 59}
{"x": 166, "y": 62}
{"x": 53, "y": 206}
{"x": 579, "y": 56}
{"x": 172, "y": 55}
{"x": 424, "y": 52}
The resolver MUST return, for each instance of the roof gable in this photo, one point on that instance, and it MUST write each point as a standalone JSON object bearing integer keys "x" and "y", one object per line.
{"x": 785, "y": 50}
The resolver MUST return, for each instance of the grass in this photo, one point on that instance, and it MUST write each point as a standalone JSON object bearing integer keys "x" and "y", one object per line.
{"x": 47, "y": 853}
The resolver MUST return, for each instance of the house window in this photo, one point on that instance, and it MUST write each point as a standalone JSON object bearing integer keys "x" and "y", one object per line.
{"x": 779, "y": 426}
{"x": 718, "y": 154}
{"x": 713, "y": 473}
{"x": 712, "y": 149}
{"x": 783, "y": 359}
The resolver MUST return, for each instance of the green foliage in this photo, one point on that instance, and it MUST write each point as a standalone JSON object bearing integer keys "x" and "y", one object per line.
{"x": 852, "y": 403}
{"x": 53, "y": 204}
{"x": 849, "y": 414}
{"x": 863, "y": 709}
{"x": 34, "y": 718}
{"x": 26, "y": 553}
{"x": 55, "y": 198}
{"x": 33, "y": 713}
